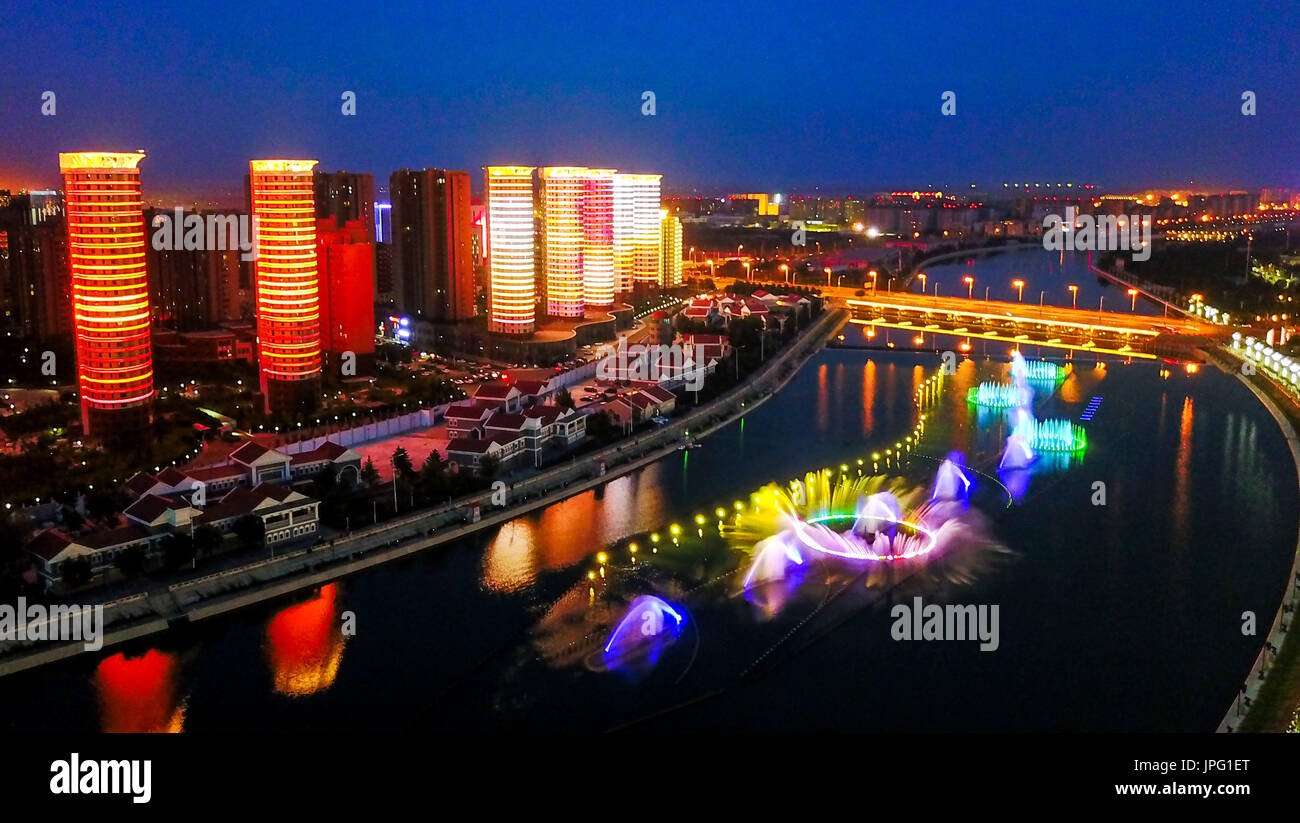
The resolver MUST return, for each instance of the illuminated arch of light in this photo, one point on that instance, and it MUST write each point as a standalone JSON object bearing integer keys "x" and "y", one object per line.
{"x": 803, "y": 533}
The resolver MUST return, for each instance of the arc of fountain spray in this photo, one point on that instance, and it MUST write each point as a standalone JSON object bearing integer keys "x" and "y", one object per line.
{"x": 823, "y": 492}
{"x": 648, "y": 618}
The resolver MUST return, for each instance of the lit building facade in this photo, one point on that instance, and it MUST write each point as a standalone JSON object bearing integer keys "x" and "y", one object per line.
{"x": 347, "y": 297}
{"x": 110, "y": 291}
{"x": 287, "y": 283}
{"x": 671, "y": 236}
{"x": 598, "y": 283}
{"x": 624, "y": 233}
{"x": 512, "y": 268}
{"x": 646, "y": 226}
{"x": 563, "y": 189}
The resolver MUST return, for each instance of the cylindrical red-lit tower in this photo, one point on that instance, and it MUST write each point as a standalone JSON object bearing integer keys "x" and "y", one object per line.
{"x": 110, "y": 291}
{"x": 287, "y": 283}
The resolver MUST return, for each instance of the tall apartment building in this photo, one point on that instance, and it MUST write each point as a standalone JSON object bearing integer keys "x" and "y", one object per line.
{"x": 433, "y": 243}
{"x": 347, "y": 297}
{"x": 110, "y": 291}
{"x": 670, "y": 263}
{"x": 512, "y": 285}
{"x": 287, "y": 284}
{"x": 562, "y": 189}
{"x": 35, "y": 281}
{"x": 195, "y": 289}
{"x": 344, "y": 197}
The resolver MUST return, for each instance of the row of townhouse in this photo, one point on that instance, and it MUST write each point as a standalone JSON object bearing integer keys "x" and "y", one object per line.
{"x": 255, "y": 480}
{"x": 526, "y": 436}
{"x": 636, "y": 405}
{"x": 247, "y": 466}
{"x": 286, "y": 515}
{"x": 775, "y": 310}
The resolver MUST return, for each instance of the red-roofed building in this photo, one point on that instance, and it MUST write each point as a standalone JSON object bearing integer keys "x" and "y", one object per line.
{"x": 286, "y": 515}
{"x": 504, "y": 395}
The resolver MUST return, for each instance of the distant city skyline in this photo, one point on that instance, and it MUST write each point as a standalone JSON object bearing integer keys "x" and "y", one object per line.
{"x": 845, "y": 96}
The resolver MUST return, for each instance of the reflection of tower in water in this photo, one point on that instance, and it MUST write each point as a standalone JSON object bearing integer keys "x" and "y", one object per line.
{"x": 304, "y": 645}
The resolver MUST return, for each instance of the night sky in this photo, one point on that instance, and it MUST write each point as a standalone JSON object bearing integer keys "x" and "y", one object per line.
{"x": 756, "y": 96}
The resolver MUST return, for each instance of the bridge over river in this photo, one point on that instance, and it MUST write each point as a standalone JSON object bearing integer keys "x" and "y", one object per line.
{"x": 1102, "y": 332}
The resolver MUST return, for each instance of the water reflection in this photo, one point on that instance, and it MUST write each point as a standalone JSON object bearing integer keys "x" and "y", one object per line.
{"x": 304, "y": 645}
{"x": 139, "y": 694}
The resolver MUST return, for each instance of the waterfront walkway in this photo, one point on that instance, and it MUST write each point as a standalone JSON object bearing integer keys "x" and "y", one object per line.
{"x": 1270, "y": 694}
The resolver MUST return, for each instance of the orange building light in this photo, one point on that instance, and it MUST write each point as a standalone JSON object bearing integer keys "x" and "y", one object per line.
{"x": 110, "y": 290}
{"x": 287, "y": 282}
{"x": 512, "y": 287}
{"x": 563, "y": 237}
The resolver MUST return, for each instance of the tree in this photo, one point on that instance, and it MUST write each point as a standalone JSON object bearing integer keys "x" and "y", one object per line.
{"x": 369, "y": 474}
{"x": 250, "y": 530}
{"x": 207, "y": 539}
{"x": 488, "y": 467}
{"x": 130, "y": 561}
{"x": 433, "y": 474}
{"x": 178, "y": 549}
{"x": 72, "y": 518}
{"x": 325, "y": 483}
{"x": 564, "y": 400}
{"x": 75, "y": 571}
{"x": 402, "y": 463}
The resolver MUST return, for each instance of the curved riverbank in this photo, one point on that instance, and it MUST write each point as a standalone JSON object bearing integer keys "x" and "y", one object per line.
{"x": 149, "y": 612}
{"x": 1271, "y": 691}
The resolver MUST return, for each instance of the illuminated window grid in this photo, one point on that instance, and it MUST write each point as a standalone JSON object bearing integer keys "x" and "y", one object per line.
{"x": 563, "y": 188}
{"x": 624, "y": 232}
{"x": 671, "y": 235}
{"x": 598, "y": 268}
{"x": 512, "y": 297}
{"x": 109, "y": 283}
{"x": 646, "y": 226}
{"x": 287, "y": 274}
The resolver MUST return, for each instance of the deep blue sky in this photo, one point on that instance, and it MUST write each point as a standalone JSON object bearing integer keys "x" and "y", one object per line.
{"x": 759, "y": 95}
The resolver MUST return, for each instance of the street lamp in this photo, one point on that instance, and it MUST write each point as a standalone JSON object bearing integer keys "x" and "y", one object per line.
{"x": 1133, "y": 295}
{"x": 1020, "y": 289}
{"x": 786, "y": 270}
{"x": 970, "y": 287}
{"x": 873, "y": 275}
{"x": 828, "y": 275}
{"x": 738, "y": 248}
{"x": 922, "y": 276}
{"x": 747, "y": 270}
{"x": 1074, "y": 295}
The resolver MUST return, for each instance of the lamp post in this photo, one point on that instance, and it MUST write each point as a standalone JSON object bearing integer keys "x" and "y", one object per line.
{"x": 1074, "y": 295}
{"x": 1020, "y": 290}
{"x": 786, "y": 271}
{"x": 873, "y": 275}
{"x": 922, "y": 276}
{"x": 1133, "y": 296}
{"x": 828, "y": 275}
{"x": 970, "y": 287}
